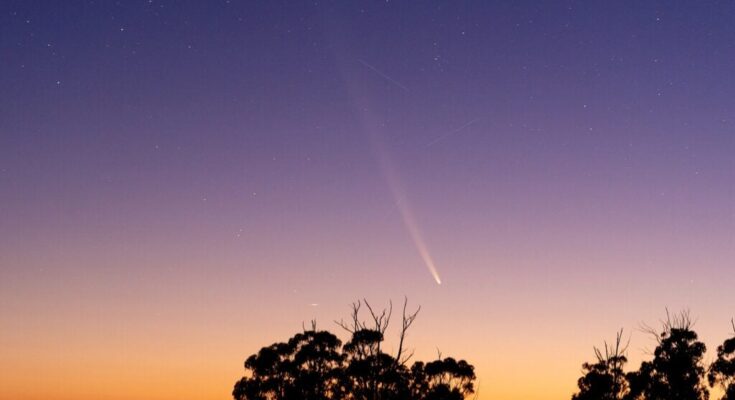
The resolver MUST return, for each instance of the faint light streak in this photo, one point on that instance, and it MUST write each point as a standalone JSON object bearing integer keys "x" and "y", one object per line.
{"x": 448, "y": 134}
{"x": 418, "y": 240}
{"x": 372, "y": 128}
{"x": 404, "y": 207}
{"x": 384, "y": 76}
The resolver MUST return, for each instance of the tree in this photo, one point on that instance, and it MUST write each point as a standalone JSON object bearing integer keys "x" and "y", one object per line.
{"x": 443, "y": 379}
{"x": 639, "y": 382}
{"x": 605, "y": 379}
{"x": 307, "y": 366}
{"x": 372, "y": 374}
{"x": 677, "y": 371}
{"x": 722, "y": 371}
{"x": 314, "y": 365}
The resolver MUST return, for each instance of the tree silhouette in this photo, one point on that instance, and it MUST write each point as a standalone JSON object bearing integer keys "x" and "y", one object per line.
{"x": 676, "y": 371}
{"x": 443, "y": 379}
{"x": 605, "y": 379}
{"x": 372, "y": 374}
{"x": 639, "y": 382}
{"x": 308, "y": 366}
{"x": 722, "y": 371}
{"x": 314, "y": 365}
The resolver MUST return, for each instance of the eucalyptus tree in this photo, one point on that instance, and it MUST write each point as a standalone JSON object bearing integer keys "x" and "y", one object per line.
{"x": 605, "y": 379}
{"x": 722, "y": 370}
{"x": 314, "y": 365}
{"x": 677, "y": 371}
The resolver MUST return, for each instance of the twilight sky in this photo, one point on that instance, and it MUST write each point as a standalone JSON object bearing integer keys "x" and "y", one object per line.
{"x": 182, "y": 183}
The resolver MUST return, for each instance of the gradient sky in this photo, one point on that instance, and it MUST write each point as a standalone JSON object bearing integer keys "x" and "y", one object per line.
{"x": 180, "y": 183}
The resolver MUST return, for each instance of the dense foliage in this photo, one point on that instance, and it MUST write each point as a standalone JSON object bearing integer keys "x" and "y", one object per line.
{"x": 676, "y": 372}
{"x": 722, "y": 371}
{"x": 315, "y": 365}
{"x": 604, "y": 379}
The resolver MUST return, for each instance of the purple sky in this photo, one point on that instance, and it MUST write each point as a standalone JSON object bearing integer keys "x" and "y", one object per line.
{"x": 181, "y": 181}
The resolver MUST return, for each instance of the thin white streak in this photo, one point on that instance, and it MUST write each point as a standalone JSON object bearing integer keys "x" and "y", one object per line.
{"x": 446, "y": 135}
{"x": 384, "y": 76}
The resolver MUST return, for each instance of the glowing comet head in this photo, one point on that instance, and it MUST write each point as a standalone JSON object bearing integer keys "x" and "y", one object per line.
{"x": 410, "y": 222}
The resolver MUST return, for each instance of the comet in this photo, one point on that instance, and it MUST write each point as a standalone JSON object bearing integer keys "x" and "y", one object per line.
{"x": 418, "y": 241}
{"x": 404, "y": 208}
{"x": 372, "y": 127}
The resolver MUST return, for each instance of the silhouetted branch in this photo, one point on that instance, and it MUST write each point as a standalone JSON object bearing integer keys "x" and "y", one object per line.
{"x": 406, "y": 322}
{"x": 313, "y": 326}
{"x": 356, "y": 325}
{"x": 315, "y": 365}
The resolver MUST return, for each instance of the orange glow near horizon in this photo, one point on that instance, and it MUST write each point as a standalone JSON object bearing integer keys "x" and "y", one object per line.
{"x": 86, "y": 343}
{"x": 185, "y": 182}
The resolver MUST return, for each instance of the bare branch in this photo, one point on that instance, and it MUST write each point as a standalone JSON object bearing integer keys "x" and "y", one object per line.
{"x": 645, "y": 328}
{"x": 406, "y": 358}
{"x": 406, "y": 321}
{"x": 381, "y": 321}
{"x": 356, "y": 325}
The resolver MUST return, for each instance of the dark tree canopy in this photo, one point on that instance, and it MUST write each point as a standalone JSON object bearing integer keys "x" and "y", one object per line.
{"x": 722, "y": 371}
{"x": 676, "y": 372}
{"x": 305, "y": 367}
{"x": 314, "y": 365}
{"x": 605, "y": 379}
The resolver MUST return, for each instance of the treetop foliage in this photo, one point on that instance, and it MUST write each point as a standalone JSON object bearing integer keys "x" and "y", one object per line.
{"x": 676, "y": 372}
{"x": 314, "y": 365}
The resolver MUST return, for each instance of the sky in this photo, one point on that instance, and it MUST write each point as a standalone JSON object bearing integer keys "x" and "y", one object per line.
{"x": 183, "y": 183}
